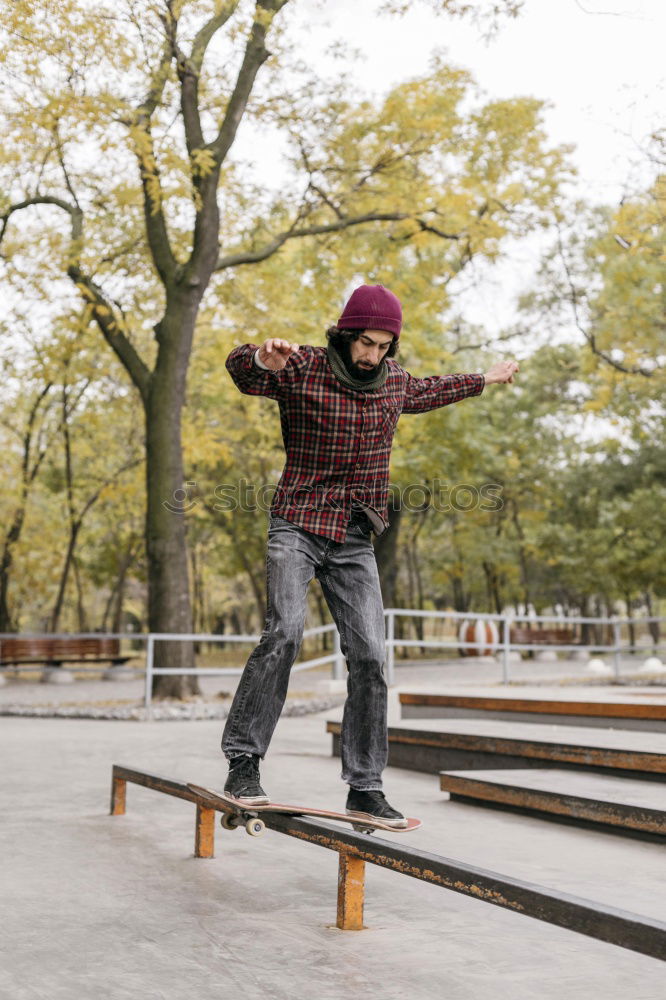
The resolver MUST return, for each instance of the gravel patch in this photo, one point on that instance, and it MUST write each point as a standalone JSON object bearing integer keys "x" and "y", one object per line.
{"x": 162, "y": 711}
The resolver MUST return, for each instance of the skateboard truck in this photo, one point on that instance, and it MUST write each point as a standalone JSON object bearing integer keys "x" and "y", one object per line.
{"x": 253, "y": 824}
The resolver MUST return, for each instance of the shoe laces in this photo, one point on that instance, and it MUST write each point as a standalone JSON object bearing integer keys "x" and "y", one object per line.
{"x": 247, "y": 766}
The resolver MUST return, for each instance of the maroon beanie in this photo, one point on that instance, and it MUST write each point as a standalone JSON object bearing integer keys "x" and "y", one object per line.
{"x": 372, "y": 307}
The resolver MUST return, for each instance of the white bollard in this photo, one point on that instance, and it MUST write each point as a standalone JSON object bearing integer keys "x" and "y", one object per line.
{"x": 652, "y": 665}
{"x": 56, "y": 675}
{"x": 597, "y": 666}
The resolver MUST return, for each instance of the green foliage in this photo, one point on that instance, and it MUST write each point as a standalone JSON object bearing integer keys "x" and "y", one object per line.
{"x": 407, "y": 191}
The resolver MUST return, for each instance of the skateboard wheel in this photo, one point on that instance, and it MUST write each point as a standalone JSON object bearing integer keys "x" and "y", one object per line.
{"x": 228, "y": 822}
{"x": 362, "y": 829}
{"x": 255, "y": 827}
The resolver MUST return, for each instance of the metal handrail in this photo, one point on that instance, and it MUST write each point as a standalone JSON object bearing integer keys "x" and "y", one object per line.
{"x": 502, "y": 646}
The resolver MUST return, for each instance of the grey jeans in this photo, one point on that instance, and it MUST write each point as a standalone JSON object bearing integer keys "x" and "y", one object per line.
{"x": 349, "y": 579}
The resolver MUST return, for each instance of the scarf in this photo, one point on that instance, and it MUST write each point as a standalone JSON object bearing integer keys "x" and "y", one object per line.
{"x": 343, "y": 376}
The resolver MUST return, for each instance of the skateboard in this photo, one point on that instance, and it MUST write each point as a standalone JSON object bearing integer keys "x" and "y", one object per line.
{"x": 236, "y": 813}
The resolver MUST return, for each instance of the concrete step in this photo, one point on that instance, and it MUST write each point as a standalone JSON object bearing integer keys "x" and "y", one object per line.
{"x": 641, "y": 713}
{"x": 623, "y": 803}
{"x": 437, "y": 745}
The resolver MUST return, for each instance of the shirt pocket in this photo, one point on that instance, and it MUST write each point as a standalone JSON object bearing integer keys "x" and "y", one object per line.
{"x": 388, "y": 420}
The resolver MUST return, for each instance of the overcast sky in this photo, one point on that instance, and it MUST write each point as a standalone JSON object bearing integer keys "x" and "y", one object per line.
{"x": 598, "y": 63}
{"x": 602, "y": 71}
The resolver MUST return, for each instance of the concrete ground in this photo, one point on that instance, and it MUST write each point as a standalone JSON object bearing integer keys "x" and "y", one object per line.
{"x": 100, "y": 907}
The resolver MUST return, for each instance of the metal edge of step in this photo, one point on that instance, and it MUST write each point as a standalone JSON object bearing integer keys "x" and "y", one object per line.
{"x": 572, "y": 806}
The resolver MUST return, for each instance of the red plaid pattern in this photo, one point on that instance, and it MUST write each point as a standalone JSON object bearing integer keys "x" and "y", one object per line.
{"x": 338, "y": 440}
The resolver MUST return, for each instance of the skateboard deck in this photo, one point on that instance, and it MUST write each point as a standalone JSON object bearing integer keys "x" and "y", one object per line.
{"x": 236, "y": 813}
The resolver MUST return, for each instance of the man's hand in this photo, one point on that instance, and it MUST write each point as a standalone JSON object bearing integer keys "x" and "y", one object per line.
{"x": 502, "y": 371}
{"x": 275, "y": 353}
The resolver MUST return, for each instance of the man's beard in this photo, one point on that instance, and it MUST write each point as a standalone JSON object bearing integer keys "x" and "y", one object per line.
{"x": 356, "y": 371}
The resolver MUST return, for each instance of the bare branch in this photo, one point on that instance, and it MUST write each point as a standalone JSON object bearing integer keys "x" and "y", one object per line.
{"x": 28, "y": 473}
{"x": 485, "y": 344}
{"x": 144, "y": 112}
{"x": 609, "y": 13}
{"x": 61, "y": 159}
{"x": 256, "y": 256}
{"x": 156, "y": 228}
{"x": 255, "y": 56}
{"x": 138, "y": 123}
{"x": 315, "y": 187}
{"x": 102, "y": 308}
{"x": 426, "y": 227}
{"x": 587, "y": 333}
{"x": 205, "y": 34}
{"x": 131, "y": 464}
{"x": 116, "y": 338}
{"x": 73, "y": 210}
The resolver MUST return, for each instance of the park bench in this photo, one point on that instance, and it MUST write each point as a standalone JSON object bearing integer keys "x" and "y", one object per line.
{"x": 527, "y": 636}
{"x": 53, "y": 652}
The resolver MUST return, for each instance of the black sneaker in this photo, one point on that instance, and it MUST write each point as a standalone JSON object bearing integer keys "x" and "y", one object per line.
{"x": 243, "y": 781}
{"x": 373, "y": 805}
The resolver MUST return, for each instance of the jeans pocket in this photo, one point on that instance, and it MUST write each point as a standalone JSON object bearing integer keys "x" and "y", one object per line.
{"x": 275, "y": 522}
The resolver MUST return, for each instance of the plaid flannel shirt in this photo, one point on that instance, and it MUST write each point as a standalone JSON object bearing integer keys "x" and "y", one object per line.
{"x": 338, "y": 440}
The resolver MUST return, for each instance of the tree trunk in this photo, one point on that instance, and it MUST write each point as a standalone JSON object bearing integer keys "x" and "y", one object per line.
{"x": 84, "y": 625}
{"x": 28, "y": 475}
{"x": 11, "y": 538}
{"x": 524, "y": 566}
{"x": 653, "y": 627}
{"x": 64, "y": 576}
{"x": 460, "y": 598}
{"x": 386, "y": 554}
{"x": 493, "y": 586}
{"x": 117, "y": 595}
{"x": 257, "y": 579}
{"x": 169, "y": 608}
{"x": 631, "y": 626}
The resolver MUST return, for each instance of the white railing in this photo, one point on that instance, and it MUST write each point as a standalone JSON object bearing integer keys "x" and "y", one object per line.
{"x": 335, "y": 658}
{"x": 503, "y": 647}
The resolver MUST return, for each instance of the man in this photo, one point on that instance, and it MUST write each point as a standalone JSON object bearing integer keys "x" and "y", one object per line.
{"x": 339, "y": 406}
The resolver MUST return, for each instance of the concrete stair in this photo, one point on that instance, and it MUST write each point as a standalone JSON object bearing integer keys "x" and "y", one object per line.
{"x": 639, "y": 711}
{"x": 626, "y": 804}
{"x": 440, "y": 745}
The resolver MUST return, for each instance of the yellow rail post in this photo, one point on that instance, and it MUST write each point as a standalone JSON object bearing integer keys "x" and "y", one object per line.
{"x": 204, "y": 839}
{"x": 118, "y": 796}
{"x": 351, "y": 892}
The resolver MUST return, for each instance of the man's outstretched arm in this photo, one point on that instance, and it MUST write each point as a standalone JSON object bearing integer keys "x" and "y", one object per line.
{"x": 267, "y": 370}
{"x": 423, "y": 394}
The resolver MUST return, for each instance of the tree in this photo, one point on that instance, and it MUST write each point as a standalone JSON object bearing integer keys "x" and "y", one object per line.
{"x": 102, "y": 93}
{"x": 29, "y": 442}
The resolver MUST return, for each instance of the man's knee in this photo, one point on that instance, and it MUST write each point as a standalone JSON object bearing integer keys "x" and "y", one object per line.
{"x": 371, "y": 658}
{"x": 287, "y": 632}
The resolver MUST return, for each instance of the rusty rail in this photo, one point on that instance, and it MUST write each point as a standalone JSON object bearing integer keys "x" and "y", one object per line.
{"x": 596, "y": 920}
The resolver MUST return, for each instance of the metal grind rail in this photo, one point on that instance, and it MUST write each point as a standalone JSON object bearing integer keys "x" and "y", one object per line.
{"x": 605, "y": 923}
